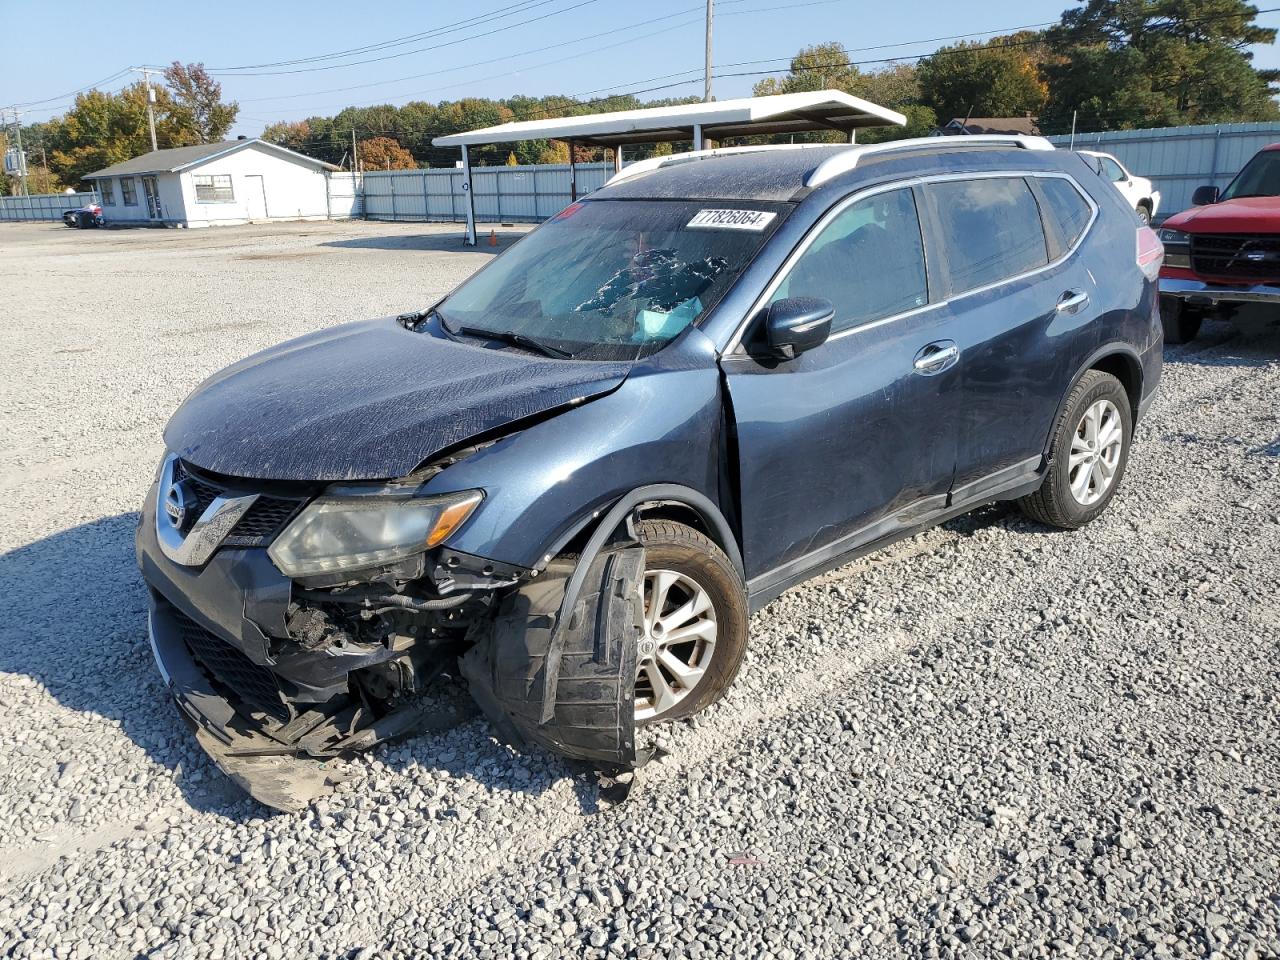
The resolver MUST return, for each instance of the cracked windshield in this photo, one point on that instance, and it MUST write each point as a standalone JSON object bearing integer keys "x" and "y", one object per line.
{"x": 612, "y": 279}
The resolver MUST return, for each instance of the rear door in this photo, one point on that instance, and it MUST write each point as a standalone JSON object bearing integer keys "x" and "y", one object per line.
{"x": 844, "y": 443}
{"x": 1022, "y": 310}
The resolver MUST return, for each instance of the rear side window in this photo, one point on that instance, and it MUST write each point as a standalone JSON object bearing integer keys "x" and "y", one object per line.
{"x": 868, "y": 261}
{"x": 1068, "y": 211}
{"x": 990, "y": 231}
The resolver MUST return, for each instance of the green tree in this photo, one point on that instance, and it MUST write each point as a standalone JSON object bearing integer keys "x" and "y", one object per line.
{"x": 1132, "y": 63}
{"x": 824, "y": 66}
{"x": 995, "y": 78}
{"x": 197, "y": 102}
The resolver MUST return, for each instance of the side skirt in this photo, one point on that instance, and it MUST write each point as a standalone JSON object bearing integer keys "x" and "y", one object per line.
{"x": 1008, "y": 484}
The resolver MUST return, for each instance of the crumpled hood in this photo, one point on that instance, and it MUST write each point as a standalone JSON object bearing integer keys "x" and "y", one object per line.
{"x": 1246, "y": 215}
{"x": 367, "y": 401}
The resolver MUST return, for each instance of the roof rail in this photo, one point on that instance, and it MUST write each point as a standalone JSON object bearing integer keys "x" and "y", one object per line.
{"x": 653, "y": 163}
{"x": 848, "y": 160}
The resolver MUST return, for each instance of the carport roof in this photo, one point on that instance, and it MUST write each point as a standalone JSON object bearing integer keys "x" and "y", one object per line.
{"x": 180, "y": 158}
{"x": 718, "y": 120}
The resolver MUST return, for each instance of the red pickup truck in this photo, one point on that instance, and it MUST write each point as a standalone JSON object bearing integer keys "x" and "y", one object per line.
{"x": 1224, "y": 251}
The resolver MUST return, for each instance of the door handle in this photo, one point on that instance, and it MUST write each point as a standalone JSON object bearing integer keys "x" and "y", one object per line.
{"x": 1073, "y": 301}
{"x": 936, "y": 357}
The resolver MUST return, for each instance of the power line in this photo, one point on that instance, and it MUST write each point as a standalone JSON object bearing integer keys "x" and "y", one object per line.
{"x": 416, "y": 50}
{"x": 519, "y": 7}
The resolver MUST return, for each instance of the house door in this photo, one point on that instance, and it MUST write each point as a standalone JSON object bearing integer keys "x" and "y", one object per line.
{"x": 151, "y": 190}
{"x": 255, "y": 196}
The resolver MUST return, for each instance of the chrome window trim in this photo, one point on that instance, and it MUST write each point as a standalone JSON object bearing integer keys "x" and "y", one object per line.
{"x": 734, "y": 346}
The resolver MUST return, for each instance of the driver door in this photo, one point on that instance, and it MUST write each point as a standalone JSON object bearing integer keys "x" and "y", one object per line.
{"x": 856, "y": 438}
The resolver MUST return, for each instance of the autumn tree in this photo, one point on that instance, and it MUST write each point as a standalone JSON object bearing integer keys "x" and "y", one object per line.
{"x": 995, "y": 78}
{"x": 102, "y": 129}
{"x": 385, "y": 153}
{"x": 197, "y": 102}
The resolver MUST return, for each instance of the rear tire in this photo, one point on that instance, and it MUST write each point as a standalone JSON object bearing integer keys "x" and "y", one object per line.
{"x": 679, "y": 561}
{"x": 1181, "y": 323}
{"x": 1086, "y": 461}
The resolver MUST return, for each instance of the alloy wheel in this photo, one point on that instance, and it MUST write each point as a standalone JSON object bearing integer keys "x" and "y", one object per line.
{"x": 1095, "y": 452}
{"x": 678, "y": 642}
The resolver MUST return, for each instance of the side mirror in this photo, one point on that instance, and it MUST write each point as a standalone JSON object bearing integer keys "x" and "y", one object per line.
{"x": 1204, "y": 196}
{"x": 797, "y": 324}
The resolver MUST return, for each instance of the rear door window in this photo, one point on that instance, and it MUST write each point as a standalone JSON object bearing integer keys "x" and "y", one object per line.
{"x": 989, "y": 230}
{"x": 1067, "y": 210}
{"x": 868, "y": 261}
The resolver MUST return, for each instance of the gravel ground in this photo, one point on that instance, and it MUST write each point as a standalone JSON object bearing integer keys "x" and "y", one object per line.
{"x": 989, "y": 739}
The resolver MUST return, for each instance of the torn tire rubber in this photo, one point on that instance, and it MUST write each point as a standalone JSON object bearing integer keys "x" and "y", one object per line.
{"x": 520, "y": 665}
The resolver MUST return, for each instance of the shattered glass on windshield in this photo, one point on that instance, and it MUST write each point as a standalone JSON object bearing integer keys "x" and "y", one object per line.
{"x": 607, "y": 279}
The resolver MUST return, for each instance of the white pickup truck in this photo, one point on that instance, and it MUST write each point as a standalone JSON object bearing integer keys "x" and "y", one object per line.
{"x": 1139, "y": 191}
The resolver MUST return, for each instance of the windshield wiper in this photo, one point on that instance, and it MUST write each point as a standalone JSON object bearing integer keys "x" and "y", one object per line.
{"x": 514, "y": 338}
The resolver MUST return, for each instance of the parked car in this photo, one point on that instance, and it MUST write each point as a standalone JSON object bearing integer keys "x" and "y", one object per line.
{"x": 1224, "y": 251}
{"x": 90, "y": 215}
{"x": 582, "y": 470}
{"x": 1139, "y": 191}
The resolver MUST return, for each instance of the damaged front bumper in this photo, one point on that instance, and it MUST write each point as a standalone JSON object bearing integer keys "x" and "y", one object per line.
{"x": 550, "y": 658}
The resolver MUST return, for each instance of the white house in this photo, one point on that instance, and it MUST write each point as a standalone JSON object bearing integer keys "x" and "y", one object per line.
{"x": 237, "y": 181}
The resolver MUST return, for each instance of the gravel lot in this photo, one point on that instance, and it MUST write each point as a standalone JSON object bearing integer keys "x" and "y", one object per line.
{"x": 990, "y": 739}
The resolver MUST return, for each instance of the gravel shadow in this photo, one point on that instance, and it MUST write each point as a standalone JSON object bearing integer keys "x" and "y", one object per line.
{"x": 78, "y": 611}
{"x": 78, "y": 615}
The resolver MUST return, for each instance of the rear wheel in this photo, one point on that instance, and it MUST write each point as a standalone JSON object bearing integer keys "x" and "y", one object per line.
{"x": 1087, "y": 455}
{"x": 1181, "y": 323}
{"x": 1144, "y": 214}
{"x": 695, "y": 623}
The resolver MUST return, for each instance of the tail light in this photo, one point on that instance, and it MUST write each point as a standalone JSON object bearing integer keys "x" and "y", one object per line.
{"x": 1150, "y": 252}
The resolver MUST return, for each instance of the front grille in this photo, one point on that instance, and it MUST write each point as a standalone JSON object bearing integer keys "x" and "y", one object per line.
{"x": 261, "y": 523}
{"x": 254, "y": 685}
{"x": 1246, "y": 256}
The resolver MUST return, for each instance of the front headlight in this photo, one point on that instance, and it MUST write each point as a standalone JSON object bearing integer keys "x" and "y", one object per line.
{"x": 1177, "y": 247}
{"x": 336, "y": 534}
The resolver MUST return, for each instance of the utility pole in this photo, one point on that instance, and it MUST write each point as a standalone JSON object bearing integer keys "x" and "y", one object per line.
{"x": 355, "y": 157}
{"x": 1073, "y": 129}
{"x": 22, "y": 157}
{"x": 151, "y": 102}
{"x": 706, "y": 87}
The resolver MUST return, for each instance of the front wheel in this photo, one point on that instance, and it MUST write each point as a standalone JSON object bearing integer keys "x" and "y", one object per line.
{"x": 695, "y": 623}
{"x": 1144, "y": 215}
{"x": 1087, "y": 455}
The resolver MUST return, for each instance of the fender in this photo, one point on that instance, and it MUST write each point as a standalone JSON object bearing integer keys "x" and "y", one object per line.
{"x": 1114, "y": 348}
{"x": 602, "y": 535}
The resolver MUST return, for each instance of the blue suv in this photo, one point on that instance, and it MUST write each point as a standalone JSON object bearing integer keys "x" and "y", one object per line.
{"x": 574, "y": 478}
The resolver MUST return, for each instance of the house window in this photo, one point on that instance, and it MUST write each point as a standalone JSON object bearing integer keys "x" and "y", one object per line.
{"x": 127, "y": 194}
{"x": 108, "y": 193}
{"x": 214, "y": 188}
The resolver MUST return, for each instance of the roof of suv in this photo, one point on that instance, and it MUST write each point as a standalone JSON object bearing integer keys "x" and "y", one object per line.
{"x": 785, "y": 173}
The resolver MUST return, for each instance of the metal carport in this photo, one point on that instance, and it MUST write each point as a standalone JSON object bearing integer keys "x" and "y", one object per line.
{"x": 699, "y": 122}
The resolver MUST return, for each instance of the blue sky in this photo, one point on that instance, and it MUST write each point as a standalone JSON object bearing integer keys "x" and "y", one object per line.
{"x": 651, "y": 44}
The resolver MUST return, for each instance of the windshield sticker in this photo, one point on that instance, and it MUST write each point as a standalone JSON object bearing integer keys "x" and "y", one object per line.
{"x": 753, "y": 220}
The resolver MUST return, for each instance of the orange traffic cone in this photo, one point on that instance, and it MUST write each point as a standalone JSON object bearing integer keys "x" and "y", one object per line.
{"x": 493, "y": 238}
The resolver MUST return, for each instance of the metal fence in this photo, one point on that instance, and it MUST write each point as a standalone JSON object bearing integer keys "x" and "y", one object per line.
{"x": 43, "y": 206}
{"x": 1179, "y": 159}
{"x": 502, "y": 194}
